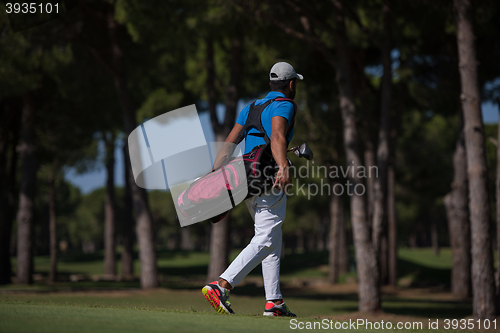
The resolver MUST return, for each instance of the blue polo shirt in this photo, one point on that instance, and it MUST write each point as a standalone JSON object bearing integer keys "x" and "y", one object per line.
{"x": 278, "y": 108}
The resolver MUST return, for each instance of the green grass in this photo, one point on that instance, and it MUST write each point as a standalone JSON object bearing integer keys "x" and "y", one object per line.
{"x": 53, "y": 319}
{"x": 423, "y": 268}
{"x": 180, "y": 300}
{"x": 307, "y": 305}
{"x": 426, "y": 257}
{"x": 163, "y": 311}
{"x": 179, "y": 306}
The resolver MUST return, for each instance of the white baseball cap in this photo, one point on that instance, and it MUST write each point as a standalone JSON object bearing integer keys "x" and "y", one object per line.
{"x": 283, "y": 71}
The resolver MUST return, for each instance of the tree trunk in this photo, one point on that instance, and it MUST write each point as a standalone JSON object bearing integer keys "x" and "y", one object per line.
{"x": 458, "y": 224}
{"x": 144, "y": 230}
{"x": 219, "y": 249}
{"x": 380, "y": 189}
{"x": 360, "y": 85}
{"x": 300, "y": 246}
{"x": 336, "y": 228}
{"x": 11, "y": 121}
{"x": 333, "y": 242}
{"x": 210, "y": 84}
{"x": 110, "y": 209}
{"x": 435, "y": 235}
{"x": 219, "y": 242}
{"x": 52, "y": 226}
{"x": 392, "y": 228}
{"x": 366, "y": 259}
{"x": 498, "y": 209}
{"x": 219, "y": 237}
{"x": 145, "y": 236}
{"x": 483, "y": 286}
{"x": 384, "y": 257}
{"x": 6, "y": 118}
{"x": 27, "y": 194}
{"x": 127, "y": 249}
{"x": 369, "y": 150}
{"x": 343, "y": 258}
{"x": 319, "y": 243}
{"x": 186, "y": 244}
{"x": 233, "y": 89}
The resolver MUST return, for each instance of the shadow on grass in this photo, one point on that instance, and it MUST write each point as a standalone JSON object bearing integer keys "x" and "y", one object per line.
{"x": 441, "y": 313}
{"x": 294, "y": 263}
{"x": 171, "y": 254}
{"x": 187, "y": 272}
{"x": 424, "y": 276}
{"x": 99, "y": 256}
{"x": 427, "y": 308}
{"x": 424, "y": 308}
{"x": 81, "y": 257}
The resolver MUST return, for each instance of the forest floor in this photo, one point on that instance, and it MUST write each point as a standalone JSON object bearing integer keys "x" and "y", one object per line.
{"x": 94, "y": 305}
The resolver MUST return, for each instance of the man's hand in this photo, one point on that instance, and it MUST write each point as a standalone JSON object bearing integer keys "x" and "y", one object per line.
{"x": 283, "y": 178}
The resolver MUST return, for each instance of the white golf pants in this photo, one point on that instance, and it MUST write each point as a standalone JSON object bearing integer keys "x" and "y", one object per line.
{"x": 268, "y": 212}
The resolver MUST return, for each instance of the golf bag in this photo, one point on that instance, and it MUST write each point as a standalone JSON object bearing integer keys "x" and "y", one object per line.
{"x": 241, "y": 177}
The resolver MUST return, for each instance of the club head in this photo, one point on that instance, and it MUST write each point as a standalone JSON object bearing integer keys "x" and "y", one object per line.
{"x": 304, "y": 151}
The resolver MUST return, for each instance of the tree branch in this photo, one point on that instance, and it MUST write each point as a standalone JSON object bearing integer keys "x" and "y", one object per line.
{"x": 286, "y": 29}
{"x": 97, "y": 55}
{"x": 493, "y": 141}
{"x": 311, "y": 39}
{"x": 86, "y": 7}
{"x": 299, "y": 8}
{"x": 358, "y": 22}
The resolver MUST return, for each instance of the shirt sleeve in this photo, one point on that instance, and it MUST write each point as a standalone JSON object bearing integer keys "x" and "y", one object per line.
{"x": 285, "y": 110}
{"x": 242, "y": 118}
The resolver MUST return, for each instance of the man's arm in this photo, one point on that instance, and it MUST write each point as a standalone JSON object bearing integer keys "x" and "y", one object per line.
{"x": 278, "y": 147}
{"x": 228, "y": 147}
{"x": 233, "y": 135}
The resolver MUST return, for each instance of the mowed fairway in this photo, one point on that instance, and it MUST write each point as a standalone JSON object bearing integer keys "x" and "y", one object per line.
{"x": 165, "y": 310}
{"x": 55, "y": 318}
{"x": 179, "y": 306}
{"x": 58, "y": 318}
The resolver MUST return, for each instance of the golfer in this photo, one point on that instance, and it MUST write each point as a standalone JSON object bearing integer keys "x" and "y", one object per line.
{"x": 267, "y": 210}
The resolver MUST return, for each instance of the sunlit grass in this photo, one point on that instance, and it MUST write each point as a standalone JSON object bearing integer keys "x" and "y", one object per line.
{"x": 180, "y": 307}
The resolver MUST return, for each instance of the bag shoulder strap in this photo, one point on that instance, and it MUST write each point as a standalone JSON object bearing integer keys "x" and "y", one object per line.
{"x": 254, "y": 120}
{"x": 292, "y": 121}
